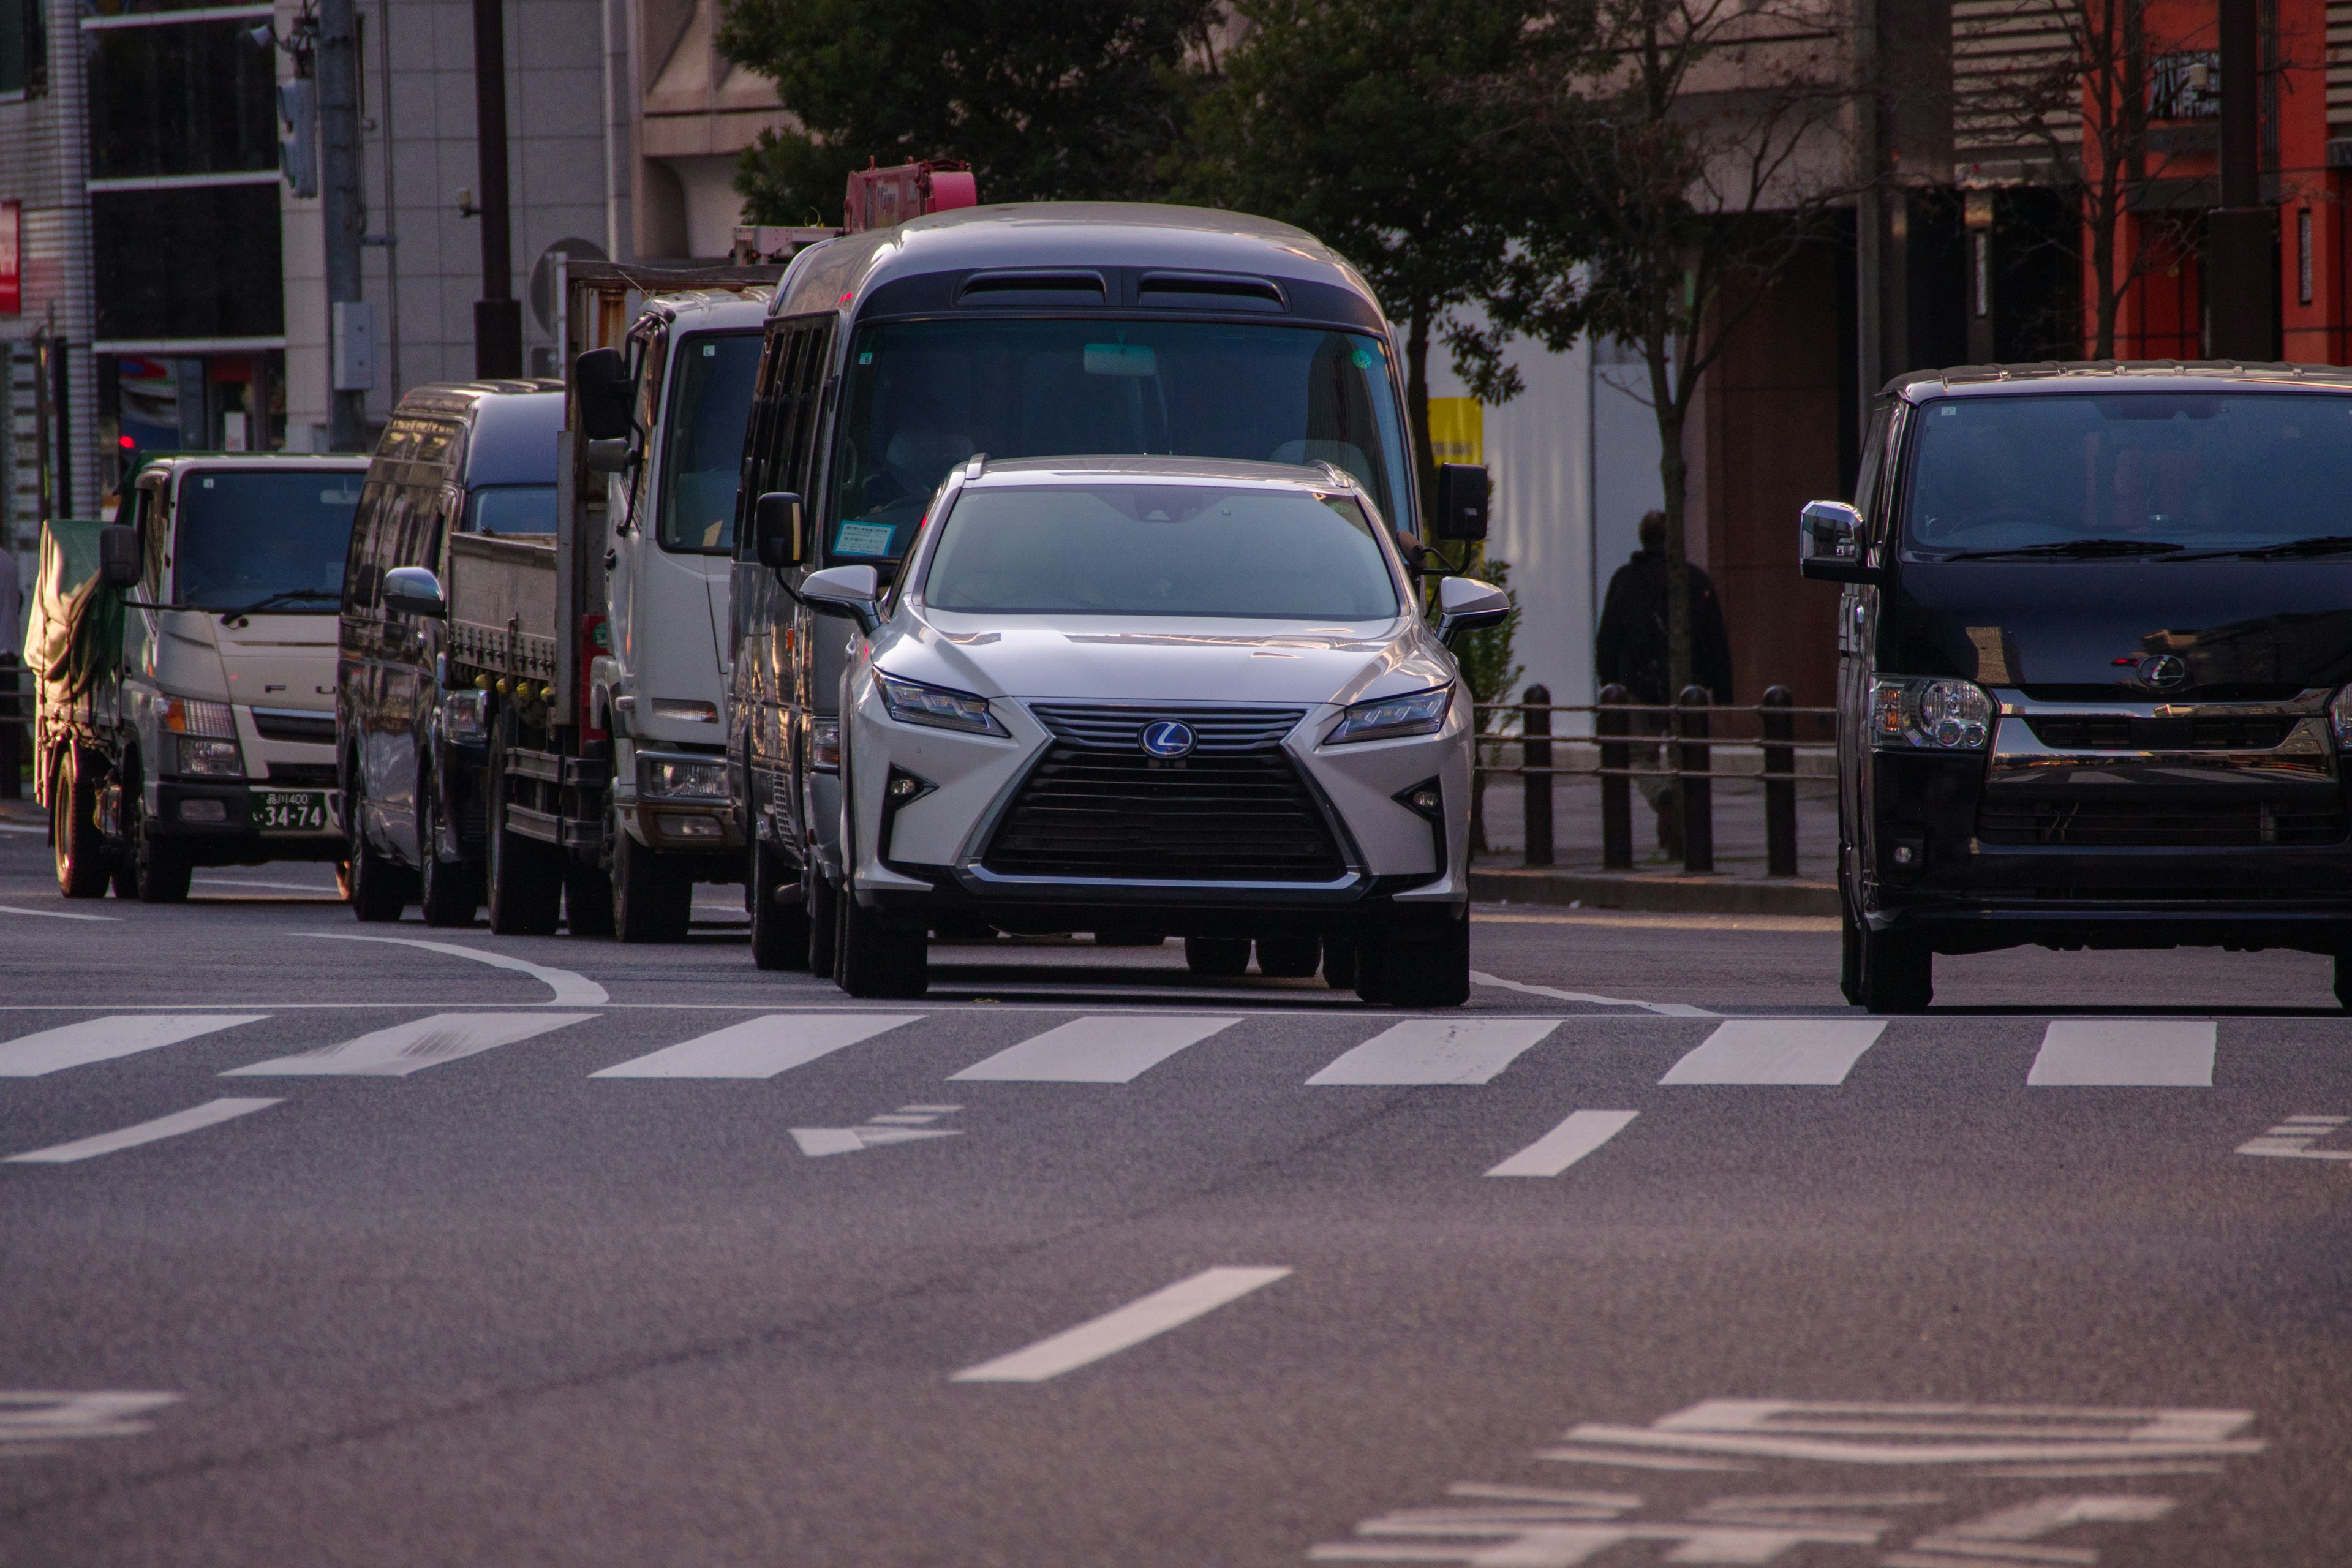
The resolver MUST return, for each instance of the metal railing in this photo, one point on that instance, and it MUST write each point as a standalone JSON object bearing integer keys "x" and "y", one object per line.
{"x": 1636, "y": 741}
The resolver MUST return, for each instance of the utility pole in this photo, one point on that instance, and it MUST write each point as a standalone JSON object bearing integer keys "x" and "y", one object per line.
{"x": 350, "y": 337}
{"x": 2244, "y": 275}
{"x": 497, "y": 314}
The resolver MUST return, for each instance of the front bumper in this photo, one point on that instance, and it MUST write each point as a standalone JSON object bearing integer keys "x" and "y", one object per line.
{"x": 229, "y": 838}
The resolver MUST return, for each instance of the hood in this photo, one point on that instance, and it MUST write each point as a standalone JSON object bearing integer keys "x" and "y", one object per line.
{"x": 1133, "y": 658}
{"x": 2088, "y": 630}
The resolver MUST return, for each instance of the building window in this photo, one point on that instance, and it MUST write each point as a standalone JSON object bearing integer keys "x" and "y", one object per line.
{"x": 189, "y": 262}
{"x": 197, "y": 97}
{"x": 24, "y": 48}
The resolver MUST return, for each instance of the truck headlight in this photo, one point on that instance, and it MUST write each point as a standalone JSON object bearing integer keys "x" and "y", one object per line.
{"x": 1929, "y": 715}
{"x": 1389, "y": 718}
{"x": 681, "y": 778}
{"x": 937, "y": 707}
{"x": 210, "y": 759}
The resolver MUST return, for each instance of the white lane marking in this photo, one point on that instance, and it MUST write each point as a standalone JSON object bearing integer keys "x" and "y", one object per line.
{"x": 326, "y": 888}
{"x": 1903, "y": 1433}
{"x": 15, "y": 827}
{"x": 1108, "y": 1048}
{"x": 1165, "y": 1308}
{"x": 412, "y": 1047}
{"x": 53, "y": 914}
{"x": 1564, "y": 1145}
{"x": 2293, "y": 1139}
{"x": 877, "y": 1132}
{"x": 572, "y": 990}
{"x": 1665, "y": 1009}
{"x": 1437, "y": 1050}
{"x": 2125, "y": 1053}
{"x": 104, "y": 1039}
{"x": 820, "y": 1141}
{"x": 1819, "y": 1051}
{"x": 206, "y": 1115}
{"x": 760, "y": 1048}
{"x": 37, "y": 1417}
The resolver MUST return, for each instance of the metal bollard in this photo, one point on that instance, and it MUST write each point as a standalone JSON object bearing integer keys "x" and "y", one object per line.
{"x": 1779, "y": 783}
{"x": 1535, "y": 725}
{"x": 1694, "y": 788}
{"x": 1616, "y": 789}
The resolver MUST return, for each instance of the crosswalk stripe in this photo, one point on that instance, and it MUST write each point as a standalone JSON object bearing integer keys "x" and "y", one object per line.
{"x": 1167, "y": 1308}
{"x": 2124, "y": 1053}
{"x": 412, "y": 1046}
{"x": 104, "y": 1039}
{"x": 1437, "y": 1050}
{"x": 1819, "y": 1051}
{"x": 760, "y": 1048}
{"x": 1102, "y": 1049}
{"x": 1564, "y": 1145}
{"x": 206, "y": 1115}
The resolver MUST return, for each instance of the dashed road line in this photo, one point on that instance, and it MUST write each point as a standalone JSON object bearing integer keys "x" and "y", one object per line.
{"x": 1146, "y": 1318}
{"x": 1108, "y": 1049}
{"x": 412, "y": 1046}
{"x": 1762, "y": 1051}
{"x": 760, "y": 1048}
{"x": 1564, "y": 1145}
{"x": 572, "y": 989}
{"x": 2124, "y": 1053}
{"x": 105, "y": 1039}
{"x": 54, "y": 914}
{"x": 210, "y": 1113}
{"x": 1436, "y": 1052}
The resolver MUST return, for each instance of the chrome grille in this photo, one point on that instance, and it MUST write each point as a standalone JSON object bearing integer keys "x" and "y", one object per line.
{"x": 1103, "y": 727}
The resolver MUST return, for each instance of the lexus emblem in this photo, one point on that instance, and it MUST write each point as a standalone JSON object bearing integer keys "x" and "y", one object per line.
{"x": 2164, "y": 671}
{"x": 1166, "y": 737}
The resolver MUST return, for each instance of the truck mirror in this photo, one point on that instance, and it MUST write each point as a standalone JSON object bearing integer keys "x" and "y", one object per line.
{"x": 776, "y": 529}
{"x": 118, "y": 555}
{"x": 610, "y": 456}
{"x": 1466, "y": 604}
{"x": 1829, "y": 543}
{"x": 602, "y": 392}
{"x": 1461, "y": 502}
{"x": 415, "y": 591}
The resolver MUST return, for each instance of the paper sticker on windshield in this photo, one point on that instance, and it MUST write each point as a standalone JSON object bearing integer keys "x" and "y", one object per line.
{"x": 862, "y": 539}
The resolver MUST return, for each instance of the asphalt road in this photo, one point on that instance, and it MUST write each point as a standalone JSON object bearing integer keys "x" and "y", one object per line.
{"x": 1656, "y": 1253}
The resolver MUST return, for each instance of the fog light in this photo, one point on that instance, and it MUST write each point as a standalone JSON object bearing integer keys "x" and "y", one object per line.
{"x": 903, "y": 788}
{"x": 1425, "y": 800}
{"x": 203, "y": 811}
{"x": 1906, "y": 855}
{"x": 693, "y": 827}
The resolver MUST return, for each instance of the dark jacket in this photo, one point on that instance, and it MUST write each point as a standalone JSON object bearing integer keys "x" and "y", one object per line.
{"x": 1631, "y": 650}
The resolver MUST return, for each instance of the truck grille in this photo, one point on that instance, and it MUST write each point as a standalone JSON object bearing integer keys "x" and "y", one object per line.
{"x": 1104, "y": 728}
{"x": 2161, "y": 824}
{"x": 283, "y": 724}
{"x": 1226, "y": 816}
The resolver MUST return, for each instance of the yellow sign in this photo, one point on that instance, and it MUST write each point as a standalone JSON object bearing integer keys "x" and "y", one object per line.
{"x": 1457, "y": 430}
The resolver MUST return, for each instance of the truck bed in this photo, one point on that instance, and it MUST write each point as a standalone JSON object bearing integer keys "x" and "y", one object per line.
{"x": 503, "y": 605}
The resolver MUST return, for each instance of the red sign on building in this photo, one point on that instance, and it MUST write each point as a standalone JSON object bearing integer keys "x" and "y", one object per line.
{"x": 12, "y": 258}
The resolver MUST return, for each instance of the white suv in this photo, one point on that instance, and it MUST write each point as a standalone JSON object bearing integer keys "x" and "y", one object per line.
{"x": 1151, "y": 697}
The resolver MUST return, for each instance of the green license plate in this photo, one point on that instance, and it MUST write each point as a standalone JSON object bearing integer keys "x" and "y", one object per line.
{"x": 289, "y": 810}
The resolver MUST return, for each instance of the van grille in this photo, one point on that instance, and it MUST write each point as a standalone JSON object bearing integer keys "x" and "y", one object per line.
{"x": 2161, "y": 824}
{"x": 1223, "y": 816}
{"x": 2129, "y": 732}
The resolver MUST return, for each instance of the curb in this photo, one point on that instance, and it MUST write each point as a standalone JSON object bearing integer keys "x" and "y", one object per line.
{"x": 1661, "y": 893}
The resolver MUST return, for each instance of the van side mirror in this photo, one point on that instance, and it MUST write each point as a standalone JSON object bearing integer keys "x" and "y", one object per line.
{"x": 1462, "y": 492}
{"x": 118, "y": 555}
{"x": 847, "y": 591}
{"x": 601, "y": 393}
{"x": 1466, "y": 604}
{"x": 776, "y": 529}
{"x": 1829, "y": 543}
{"x": 415, "y": 591}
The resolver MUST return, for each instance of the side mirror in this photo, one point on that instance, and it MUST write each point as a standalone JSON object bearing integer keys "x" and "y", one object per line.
{"x": 843, "y": 591}
{"x": 1466, "y": 604}
{"x": 609, "y": 456}
{"x": 776, "y": 533}
{"x": 415, "y": 591}
{"x": 1830, "y": 538}
{"x": 118, "y": 555}
{"x": 1462, "y": 492}
{"x": 601, "y": 393}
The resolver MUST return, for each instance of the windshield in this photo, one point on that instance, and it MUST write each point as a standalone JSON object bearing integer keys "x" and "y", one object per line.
{"x": 711, "y": 400}
{"x": 242, "y": 538}
{"x": 2128, "y": 474}
{"x": 1160, "y": 549}
{"x": 510, "y": 508}
{"x": 924, "y": 396}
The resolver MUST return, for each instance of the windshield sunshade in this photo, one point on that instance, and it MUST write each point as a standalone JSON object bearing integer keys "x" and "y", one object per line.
{"x": 1160, "y": 549}
{"x": 246, "y": 538}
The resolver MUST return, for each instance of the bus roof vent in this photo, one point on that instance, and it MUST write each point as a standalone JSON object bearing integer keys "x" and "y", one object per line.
{"x": 1209, "y": 292}
{"x": 1079, "y": 289}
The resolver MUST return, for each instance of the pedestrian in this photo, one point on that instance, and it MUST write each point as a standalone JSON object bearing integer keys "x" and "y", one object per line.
{"x": 1631, "y": 650}
{"x": 12, "y": 647}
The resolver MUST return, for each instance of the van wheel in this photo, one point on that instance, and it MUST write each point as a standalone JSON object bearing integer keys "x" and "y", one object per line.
{"x": 588, "y": 900}
{"x": 1420, "y": 965}
{"x": 878, "y": 959}
{"x": 1892, "y": 973}
{"x": 445, "y": 888}
{"x": 525, "y": 891}
{"x": 1217, "y": 957}
{"x": 823, "y": 901}
{"x": 82, "y": 870}
{"x": 1339, "y": 962}
{"x": 780, "y": 932}
{"x": 2344, "y": 980}
{"x": 1289, "y": 957}
{"x": 651, "y": 902}
{"x": 379, "y": 888}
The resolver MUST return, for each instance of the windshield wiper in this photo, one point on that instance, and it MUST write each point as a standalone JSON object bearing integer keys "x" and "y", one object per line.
{"x": 2320, "y": 544}
{"x": 287, "y": 597}
{"x": 2073, "y": 549}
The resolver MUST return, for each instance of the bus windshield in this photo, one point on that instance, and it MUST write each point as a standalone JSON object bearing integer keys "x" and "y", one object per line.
{"x": 923, "y": 396}
{"x": 710, "y": 402}
{"x": 270, "y": 543}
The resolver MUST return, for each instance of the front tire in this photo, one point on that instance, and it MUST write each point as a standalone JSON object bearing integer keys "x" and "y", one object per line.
{"x": 1217, "y": 957}
{"x": 779, "y": 931}
{"x": 160, "y": 874}
{"x": 1891, "y": 971}
{"x": 1339, "y": 962}
{"x": 1423, "y": 966}
{"x": 379, "y": 890}
{"x": 588, "y": 900}
{"x": 878, "y": 959}
{"x": 2344, "y": 980}
{"x": 80, "y": 850}
{"x": 651, "y": 902}
{"x": 526, "y": 882}
{"x": 1289, "y": 957}
{"x": 823, "y": 901}
{"x": 445, "y": 888}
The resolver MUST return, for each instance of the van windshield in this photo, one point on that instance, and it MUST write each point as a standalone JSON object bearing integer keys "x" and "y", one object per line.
{"x": 926, "y": 395}
{"x": 2147, "y": 474}
{"x": 272, "y": 542}
{"x": 710, "y": 402}
{"x": 1160, "y": 549}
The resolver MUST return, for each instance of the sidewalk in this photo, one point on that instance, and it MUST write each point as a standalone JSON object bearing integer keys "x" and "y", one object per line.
{"x": 1737, "y": 887}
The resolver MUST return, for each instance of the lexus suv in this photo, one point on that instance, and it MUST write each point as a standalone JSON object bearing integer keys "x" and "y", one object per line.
{"x": 1158, "y": 697}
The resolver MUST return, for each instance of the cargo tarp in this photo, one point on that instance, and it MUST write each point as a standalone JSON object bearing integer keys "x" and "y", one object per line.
{"x": 75, "y": 641}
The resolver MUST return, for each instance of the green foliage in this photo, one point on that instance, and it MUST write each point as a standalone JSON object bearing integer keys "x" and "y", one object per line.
{"x": 1047, "y": 99}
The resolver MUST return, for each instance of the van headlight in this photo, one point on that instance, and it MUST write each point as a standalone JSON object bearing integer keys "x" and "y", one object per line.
{"x": 910, "y": 702}
{"x": 1389, "y": 717}
{"x": 1929, "y": 715}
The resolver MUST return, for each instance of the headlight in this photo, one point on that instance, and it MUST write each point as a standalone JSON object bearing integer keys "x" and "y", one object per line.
{"x": 2339, "y": 718}
{"x": 211, "y": 759}
{"x": 937, "y": 707}
{"x": 464, "y": 715}
{"x": 676, "y": 778}
{"x": 1929, "y": 715}
{"x": 1387, "y": 718}
{"x": 824, "y": 745}
{"x": 192, "y": 716}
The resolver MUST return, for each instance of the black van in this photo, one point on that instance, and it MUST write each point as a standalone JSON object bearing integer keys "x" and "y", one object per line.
{"x": 476, "y": 457}
{"x": 2093, "y": 651}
